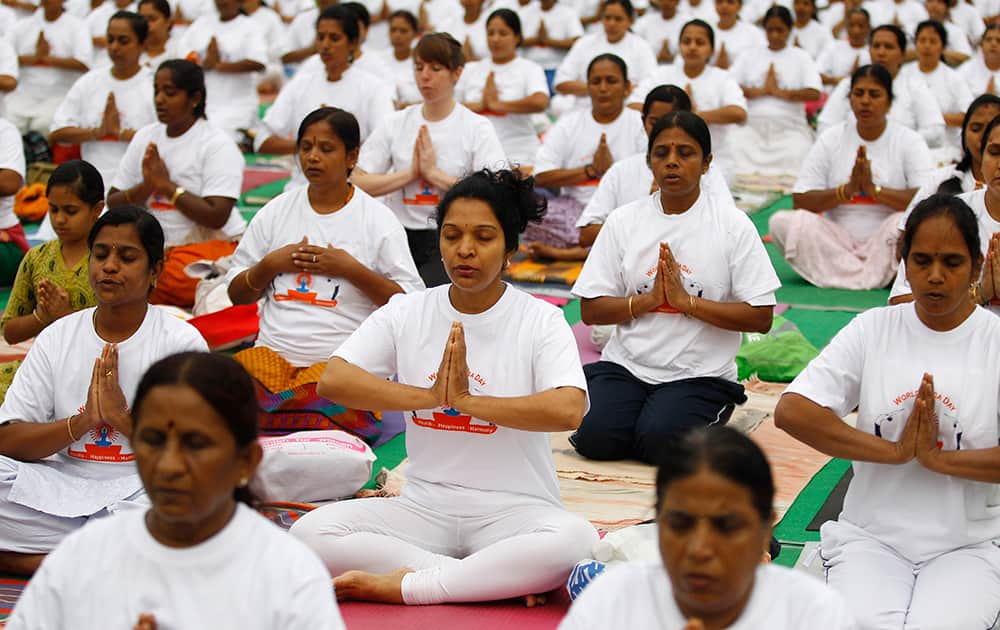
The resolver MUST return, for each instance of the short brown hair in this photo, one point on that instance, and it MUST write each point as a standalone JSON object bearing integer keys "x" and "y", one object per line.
{"x": 440, "y": 48}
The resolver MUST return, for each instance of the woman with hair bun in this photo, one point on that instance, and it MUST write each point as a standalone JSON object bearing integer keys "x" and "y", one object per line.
{"x": 484, "y": 372}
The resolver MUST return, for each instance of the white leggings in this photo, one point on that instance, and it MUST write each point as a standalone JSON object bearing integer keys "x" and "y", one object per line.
{"x": 512, "y": 550}
{"x": 956, "y": 590}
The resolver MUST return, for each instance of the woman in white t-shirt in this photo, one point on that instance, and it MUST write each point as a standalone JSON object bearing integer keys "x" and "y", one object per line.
{"x": 949, "y": 89}
{"x": 508, "y": 89}
{"x": 54, "y": 50}
{"x": 982, "y": 72}
{"x": 487, "y": 371}
{"x": 403, "y": 31}
{"x": 231, "y": 49}
{"x": 854, "y": 184}
{"x": 734, "y": 38}
{"x": 616, "y": 39}
{"x": 550, "y": 30}
{"x": 662, "y": 29}
{"x": 777, "y": 81}
{"x": 842, "y": 57}
{"x": 681, "y": 274}
{"x": 956, "y": 47}
{"x": 367, "y": 97}
{"x": 420, "y": 152}
{"x": 468, "y": 28}
{"x": 714, "y": 515}
{"x": 64, "y": 424}
{"x": 578, "y": 150}
{"x": 807, "y": 32}
{"x": 715, "y": 96}
{"x": 321, "y": 258}
{"x": 200, "y": 555}
{"x": 105, "y": 107}
{"x": 159, "y": 45}
{"x": 916, "y": 535}
{"x": 913, "y": 105}
{"x": 188, "y": 173}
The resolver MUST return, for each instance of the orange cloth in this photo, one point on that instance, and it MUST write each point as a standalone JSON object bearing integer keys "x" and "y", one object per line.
{"x": 30, "y": 202}
{"x": 274, "y": 372}
{"x": 176, "y": 287}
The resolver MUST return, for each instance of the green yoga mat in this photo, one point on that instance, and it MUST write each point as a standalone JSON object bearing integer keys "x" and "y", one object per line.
{"x": 389, "y": 455}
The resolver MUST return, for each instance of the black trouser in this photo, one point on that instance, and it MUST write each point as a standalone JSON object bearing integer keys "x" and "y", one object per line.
{"x": 427, "y": 256}
{"x": 629, "y": 418}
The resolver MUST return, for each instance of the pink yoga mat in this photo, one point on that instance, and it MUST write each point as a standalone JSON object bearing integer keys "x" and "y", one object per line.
{"x": 509, "y": 615}
{"x": 588, "y": 352}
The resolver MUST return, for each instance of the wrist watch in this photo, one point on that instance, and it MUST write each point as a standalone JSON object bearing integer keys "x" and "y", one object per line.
{"x": 177, "y": 193}
{"x": 876, "y": 192}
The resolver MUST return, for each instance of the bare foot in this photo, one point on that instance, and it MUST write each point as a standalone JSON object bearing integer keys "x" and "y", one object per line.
{"x": 371, "y": 587}
{"x": 534, "y": 600}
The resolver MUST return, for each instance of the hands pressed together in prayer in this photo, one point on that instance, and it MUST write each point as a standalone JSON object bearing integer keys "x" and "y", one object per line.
{"x": 105, "y": 399}
{"x": 451, "y": 387}
{"x": 53, "y": 302}
{"x": 919, "y": 439}
{"x": 668, "y": 287}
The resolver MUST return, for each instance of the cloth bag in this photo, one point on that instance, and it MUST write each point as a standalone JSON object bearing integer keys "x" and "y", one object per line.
{"x": 312, "y": 466}
{"x": 777, "y": 356}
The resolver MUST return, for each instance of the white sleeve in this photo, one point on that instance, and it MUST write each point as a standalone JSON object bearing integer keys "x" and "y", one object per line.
{"x": 569, "y": 68}
{"x": 31, "y": 397}
{"x": 604, "y": 200}
{"x": 645, "y": 61}
{"x": 833, "y": 379}
{"x": 810, "y": 76}
{"x": 83, "y": 47}
{"x": 129, "y": 171}
{"x": 487, "y": 151}
{"x": 8, "y": 61}
{"x": 732, "y": 94}
{"x": 222, "y": 164}
{"x": 836, "y": 108}
{"x": 900, "y": 286}
{"x": 70, "y": 111}
{"x": 393, "y": 259}
{"x": 380, "y": 108}
{"x": 11, "y": 150}
{"x": 41, "y": 604}
{"x": 551, "y": 154}
{"x": 535, "y": 79}
{"x": 254, "y": 244}
{"x": 918, "y": 165}
{"x": 602, "y": 273}
{"x": 930, "y": 120}
{"x": 278, "y": 120}
{"x": 313, "y": 605}
{"x": 556, "y": 359}
{"x": 372, "y": 347}
{"x": 816, "y": 168}
{"x": 376, "y": 151}
{"x": 753, "y": 278}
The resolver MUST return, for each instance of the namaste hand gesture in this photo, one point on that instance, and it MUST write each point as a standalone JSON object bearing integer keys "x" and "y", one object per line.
{"x": 451, "y": 387}
{"x": 988, "y": 289}
{"x": 53, "y": 301}
{"x": 603, "y": 160}
{"x": 105, "y": 400}
{"x": 920, "y": 435}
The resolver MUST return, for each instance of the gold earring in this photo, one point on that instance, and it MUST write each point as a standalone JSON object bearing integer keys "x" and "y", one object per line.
{"x": 974, "y": 292}
{"x": 243, "y": 482}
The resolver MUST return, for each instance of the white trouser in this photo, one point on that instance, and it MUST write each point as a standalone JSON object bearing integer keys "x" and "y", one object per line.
{"x": 512, "y": 550}
{"x": 958, "y": 589}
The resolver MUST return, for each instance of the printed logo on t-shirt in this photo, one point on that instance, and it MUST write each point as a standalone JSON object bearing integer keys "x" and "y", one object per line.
{"x": 159, "y": 202}
{"x": 424, "y": 195}
{"x": 691, "y": 285}
{"x": 889, "y": 425}
{"x": 306, "y": 291}
{"x": 103, "y": 443}
{"x": 448, "y": 419}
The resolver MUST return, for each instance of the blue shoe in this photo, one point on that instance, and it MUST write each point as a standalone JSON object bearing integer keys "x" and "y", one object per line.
{"x": 583, "y": 574}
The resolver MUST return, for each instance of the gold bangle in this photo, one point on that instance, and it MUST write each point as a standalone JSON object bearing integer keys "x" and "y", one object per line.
{"x": 178, "y": 191}
{"x": 692, "y": 305}
{"x": 36, "y": 315}
{"x": 69, "y": 428}
{"x": 631, "y": 315}
{"x": 876, "y": 191}
{"x": 246, "y": 276}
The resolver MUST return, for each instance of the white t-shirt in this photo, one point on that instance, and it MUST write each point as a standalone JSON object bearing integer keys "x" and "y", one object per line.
{"x": 84, "y": 107}
{"x": 561, "y": 22}
{"x": 630, "y": 180}
{"x": 950, "y": 90}
{"x": 464, "y": 142}
{"x": 913, "y": 106}
{"x": 722, "y": 258}
{"x": 977, "y": 76}
{"x": 739, "y": 40}
{"x": 8, "y": 66}
{"x": 302, "y": 30}
{"x": 875, "y": 364}
{"x": 67, "y": 37}
{"x": 403, "y": 77}
{"x": 966, "y": 16}
{"x": 516, "y": 79}
{"x": 518, "y": 347}
{"x": 169, "y": 52}
{"x": 795, "y": 70}
{"x": 204, "y": 161}
{"x": 456, "y": 26}
{"x": 906, "y": 13}
{"x": 899, "y": 160}
{"x": 12, "y": 159}
{"x": 988, "y": 226}
{"x": 839, "y": 58}
{"x": 712, "y": 89}
{"x": 232, "y": 96}
{"x": 370, "y": 63}
{"x": 655, "y": 30}
{"x": 572, "y": 141}
{"x": 440, "y": 11}
{"x": 704, "y": 10}
{"x": 52, "y": 384}
{"x": 304, "y": 317}
{"x": 812, "y": 38}
{"x": 635, "y": 51}
{"x": 274, "y": 32}
{"x": 369, "y": 98}
{"x": 639, "y": 596}
{"x": 250, "y": 575}
{"x": 834, "y": 13}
